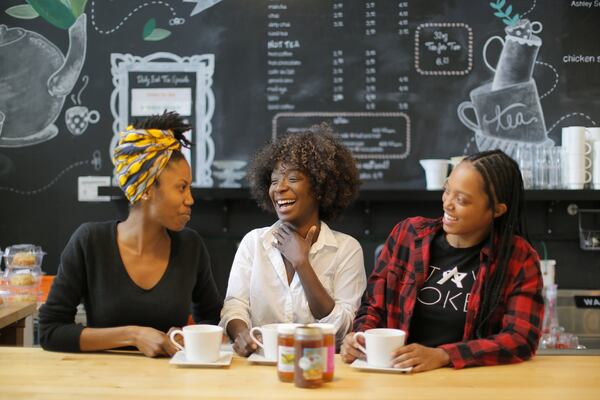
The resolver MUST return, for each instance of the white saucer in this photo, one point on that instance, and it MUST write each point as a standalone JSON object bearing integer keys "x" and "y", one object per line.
{"x": 360, "y": 364}
{"x": 257, "y": 358}
{"x": 223, "y": 361}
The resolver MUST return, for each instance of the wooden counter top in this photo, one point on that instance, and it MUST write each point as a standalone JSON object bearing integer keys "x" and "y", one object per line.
{"x": 27, "y": 373}
{"x": 14, "y": 312}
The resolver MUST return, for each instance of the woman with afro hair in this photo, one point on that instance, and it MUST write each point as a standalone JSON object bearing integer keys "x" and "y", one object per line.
{"x": 297, "y": 270}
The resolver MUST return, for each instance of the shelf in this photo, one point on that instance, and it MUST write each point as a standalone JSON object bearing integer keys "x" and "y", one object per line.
{"x": 379, "y": 195}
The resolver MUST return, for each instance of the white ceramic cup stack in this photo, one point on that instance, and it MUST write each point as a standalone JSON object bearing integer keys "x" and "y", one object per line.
{"x": 592, "y": 136}
{"x": 576, "y": 162}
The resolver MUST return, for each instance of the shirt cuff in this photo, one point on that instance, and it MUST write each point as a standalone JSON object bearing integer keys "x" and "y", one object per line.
{"x": 336, "y": 317}
{"x": 456, "y": 361}
{"x": 226, "y": 319}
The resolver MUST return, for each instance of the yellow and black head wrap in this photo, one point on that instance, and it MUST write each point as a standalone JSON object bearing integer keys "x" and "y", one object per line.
{"x": 140, "y": 157}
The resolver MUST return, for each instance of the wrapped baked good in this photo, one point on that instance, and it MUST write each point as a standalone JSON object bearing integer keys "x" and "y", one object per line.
{"x": 26, "y": 279}
{"x": 23, "y": 256}
{"x": 24, "y": 298}
{"x": 24, "y": 259}
{"x": 22, "y": 273}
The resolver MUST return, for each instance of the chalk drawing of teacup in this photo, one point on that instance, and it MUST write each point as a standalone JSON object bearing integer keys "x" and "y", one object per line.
{"x": 517, "y": 58}
{"x": 513, "y": 112}
{"x": 77, "y": 119}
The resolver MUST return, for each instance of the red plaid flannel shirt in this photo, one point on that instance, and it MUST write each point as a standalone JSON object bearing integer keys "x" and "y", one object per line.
{"x": 401, "y": 270}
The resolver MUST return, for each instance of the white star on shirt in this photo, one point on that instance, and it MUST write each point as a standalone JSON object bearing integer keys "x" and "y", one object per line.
{"x": 456, "y": 276}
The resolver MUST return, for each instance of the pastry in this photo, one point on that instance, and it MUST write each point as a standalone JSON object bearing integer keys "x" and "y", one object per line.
{"x": 22, "y": 280}
{"x": 24, "y": 259}
{"x": 24, "y": 298}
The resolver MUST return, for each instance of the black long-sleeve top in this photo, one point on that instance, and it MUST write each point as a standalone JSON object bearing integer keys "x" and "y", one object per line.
{"x": 91, "y": 271}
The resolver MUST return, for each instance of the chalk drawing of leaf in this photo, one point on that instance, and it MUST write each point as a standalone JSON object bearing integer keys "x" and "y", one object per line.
{"x": 158, "y": 34}
{"x": 53, "y": 11}
{"x": 148, "y": 28}
{"x": 77, "y": 7}
{"x": 22, "y": 11}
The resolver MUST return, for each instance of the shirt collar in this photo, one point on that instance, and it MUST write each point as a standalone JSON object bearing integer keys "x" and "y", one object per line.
{"x": 428, "y": 228}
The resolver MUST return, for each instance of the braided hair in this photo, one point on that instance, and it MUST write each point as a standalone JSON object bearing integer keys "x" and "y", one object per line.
{"x": 502, "y": 183}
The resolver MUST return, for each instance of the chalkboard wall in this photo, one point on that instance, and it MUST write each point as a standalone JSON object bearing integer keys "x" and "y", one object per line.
{"x": 393, "y": 78}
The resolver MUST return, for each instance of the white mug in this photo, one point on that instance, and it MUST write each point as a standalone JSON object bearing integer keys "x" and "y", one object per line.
{"x": 577, "y": 161}
{"x": 573, "y": 140}
{"x": 435, "y": 173}
{"x": 592, "y": 134}
{"x": 201, "y": 342}
{"x": 596, "y": 166}
{"x": 576, "y": 171}
{"x": 379, "y": 345}
{"x": 269, "y": 340}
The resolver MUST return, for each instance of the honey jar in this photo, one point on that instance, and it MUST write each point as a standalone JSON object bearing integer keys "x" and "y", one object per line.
{"x": 328, "y": 349}
{"x": 285, "y": 351}
{"x": 308, "y": 357}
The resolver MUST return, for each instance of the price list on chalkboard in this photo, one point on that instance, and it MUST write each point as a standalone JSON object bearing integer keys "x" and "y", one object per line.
{"x": 345, "y": 55}
{"x": 346, "y": 63}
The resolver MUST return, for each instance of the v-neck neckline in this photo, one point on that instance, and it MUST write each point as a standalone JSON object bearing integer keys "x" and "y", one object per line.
{"x": 124, "y": 269}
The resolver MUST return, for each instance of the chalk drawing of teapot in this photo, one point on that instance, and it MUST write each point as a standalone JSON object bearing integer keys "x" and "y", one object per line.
{"x": 35, "y": 78}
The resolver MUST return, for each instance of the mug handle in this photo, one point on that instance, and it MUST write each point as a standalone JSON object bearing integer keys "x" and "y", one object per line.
{"x": 588, "y": 177}
{"x": 172, "y": 338}
{"x": 357, "y": 345}
{"x": 93, "y": 117}
{"x": 463, "y": 117}
{"x": 587, "y": 150}
{"x": 485, "y": 51}
{"x": 587, "y": 163}
{"x": 256, "y": 328}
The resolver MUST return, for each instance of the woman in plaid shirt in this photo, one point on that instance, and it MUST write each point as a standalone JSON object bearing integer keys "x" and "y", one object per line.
{"x": 466, "y": 288}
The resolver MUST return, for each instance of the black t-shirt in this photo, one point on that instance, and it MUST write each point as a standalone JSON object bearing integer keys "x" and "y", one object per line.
{"x": 440, "y": 310}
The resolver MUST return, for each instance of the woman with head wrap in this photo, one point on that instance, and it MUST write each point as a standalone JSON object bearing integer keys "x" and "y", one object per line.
{"x": 140, "y": 277}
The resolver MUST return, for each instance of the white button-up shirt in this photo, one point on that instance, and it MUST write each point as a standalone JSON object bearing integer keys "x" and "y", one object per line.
{"x": 258, "y": 291}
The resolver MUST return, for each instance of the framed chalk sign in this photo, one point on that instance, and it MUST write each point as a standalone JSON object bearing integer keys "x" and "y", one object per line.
{"x": 164, "y": 81}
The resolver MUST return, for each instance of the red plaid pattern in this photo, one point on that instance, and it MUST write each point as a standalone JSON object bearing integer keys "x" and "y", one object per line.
{"x": 401, "y": 271}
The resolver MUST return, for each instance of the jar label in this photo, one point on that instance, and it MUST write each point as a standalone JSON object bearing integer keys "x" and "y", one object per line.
{"x": 311, "y": 363}
{"x": 285, "y": 361}
{"x": 329, "y": 351}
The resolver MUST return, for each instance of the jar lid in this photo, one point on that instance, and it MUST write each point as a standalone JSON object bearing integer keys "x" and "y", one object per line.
{"x": 306, "y": 332}
{"x": 287, "y": 329}
{"x": 328, "y": 329}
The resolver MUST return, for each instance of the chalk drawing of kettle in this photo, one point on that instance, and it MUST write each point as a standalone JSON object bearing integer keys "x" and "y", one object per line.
{"x": 35, "y": 78}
